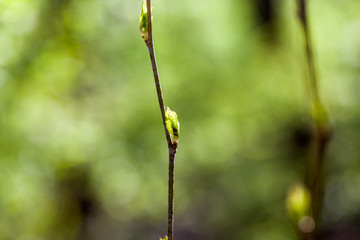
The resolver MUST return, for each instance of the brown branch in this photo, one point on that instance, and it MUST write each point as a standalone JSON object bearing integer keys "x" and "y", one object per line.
{"x": 303, "y": 17}
{"x": 316, "y": 168}
{"x": 150, "y": 45}
{"x": 171, "y": 194}
{"x": 171, "y": 146}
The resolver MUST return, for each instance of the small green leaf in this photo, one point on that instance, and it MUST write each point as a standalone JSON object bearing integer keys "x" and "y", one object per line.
{"x": 166, "y": 238}
{"x": 143, "y": 22}
{"x": 172, "y": 125}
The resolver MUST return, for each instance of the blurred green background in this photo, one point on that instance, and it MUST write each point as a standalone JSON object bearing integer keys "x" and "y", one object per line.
{"x": 83, "y": 153}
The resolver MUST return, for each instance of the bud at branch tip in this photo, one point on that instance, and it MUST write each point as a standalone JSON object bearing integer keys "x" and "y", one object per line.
{"x": 143, "y": 22}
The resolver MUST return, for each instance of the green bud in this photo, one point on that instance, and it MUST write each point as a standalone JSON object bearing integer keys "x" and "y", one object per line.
{"x": 166, "y": 238}
{"x": 172, "y": 125}
{"x": 143, "y": 22}
{"x": 298, "y": 202}
{"x": 319, "y": 114}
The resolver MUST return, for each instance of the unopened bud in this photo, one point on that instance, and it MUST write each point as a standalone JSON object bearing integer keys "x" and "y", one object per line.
{"x": 143, "y": 22}
{"x": 172, "y": 125}
{"x": 319, "y": 114}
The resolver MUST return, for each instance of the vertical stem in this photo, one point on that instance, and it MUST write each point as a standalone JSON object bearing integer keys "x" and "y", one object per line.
{"x": 158, "y": 88}
{"x": 308, "y": 49}
{"x": 171, "y": 194}
{"x": 316, "y": 180}
{"x": 171, "y": 147}
{"x": 150, "y": 46}
{"x": 316, "y": 168}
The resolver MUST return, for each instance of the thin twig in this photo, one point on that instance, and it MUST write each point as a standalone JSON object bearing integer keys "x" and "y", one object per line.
{"x": 171, "y": 147}
{"x": 302, "y": 13}
{"x": 171, "y": 194}
{"x": 316, "y": 169}
{"x": 150, "y": 46}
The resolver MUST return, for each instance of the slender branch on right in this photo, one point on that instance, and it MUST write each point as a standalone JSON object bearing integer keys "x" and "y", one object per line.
{"x": 315, "y": 179}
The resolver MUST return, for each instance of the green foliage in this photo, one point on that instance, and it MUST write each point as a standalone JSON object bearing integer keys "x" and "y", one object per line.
{"x": 172, "y": 125}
